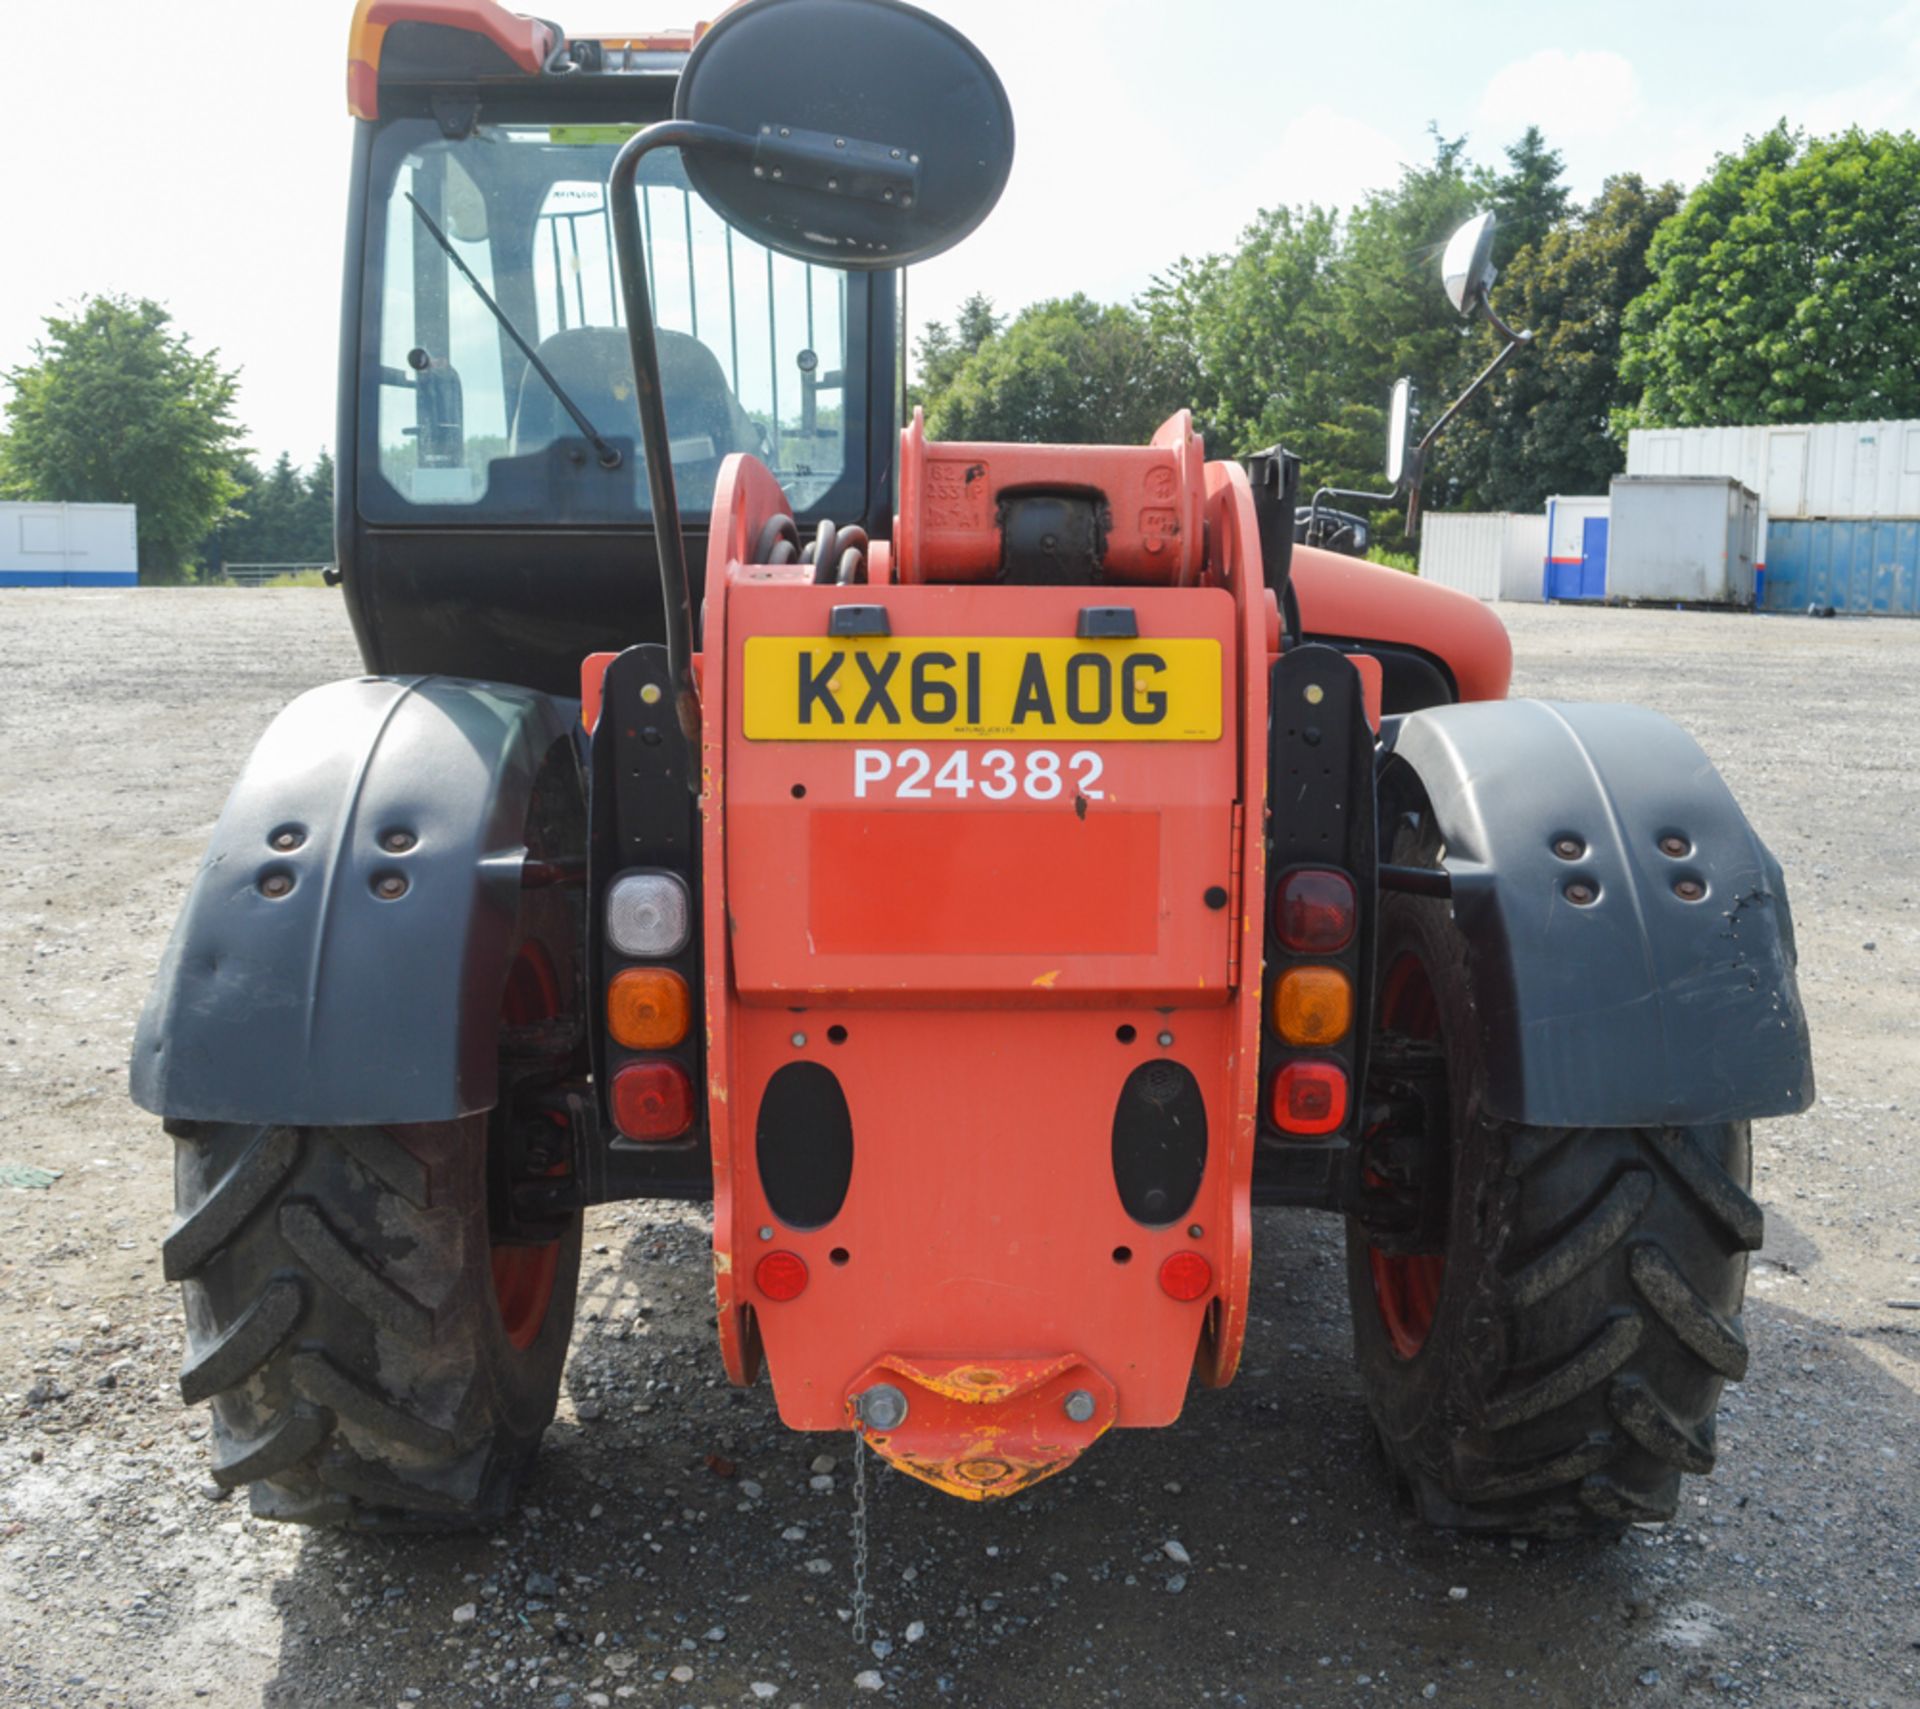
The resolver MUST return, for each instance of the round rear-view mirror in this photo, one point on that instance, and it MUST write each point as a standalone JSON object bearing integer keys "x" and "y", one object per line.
{"x": 1466, "y": 269}
{"x": 881, "y": 135}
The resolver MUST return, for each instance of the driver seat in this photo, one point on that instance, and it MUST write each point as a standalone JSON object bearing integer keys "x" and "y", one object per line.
{"x": 594, "y": 366}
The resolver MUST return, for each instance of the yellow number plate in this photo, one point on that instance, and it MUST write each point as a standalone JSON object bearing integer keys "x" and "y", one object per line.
{"x": 800, "y": 689}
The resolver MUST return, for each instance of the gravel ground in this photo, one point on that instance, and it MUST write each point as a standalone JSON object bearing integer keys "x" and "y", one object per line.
{"x": 673, "y": 1551}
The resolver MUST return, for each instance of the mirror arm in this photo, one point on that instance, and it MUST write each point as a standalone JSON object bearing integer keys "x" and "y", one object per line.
{"x": 1517, "y": 340}
{"x": 1513, "y": 335}
{"x": 676, "y": 595}
{"x": 1416, "y": 462}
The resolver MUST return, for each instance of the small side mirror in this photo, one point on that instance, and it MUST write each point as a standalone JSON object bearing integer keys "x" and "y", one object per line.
{"x": 1466, "y": 269}
{"x": 870, "y": 135}
{"x": 1399, "y": 430}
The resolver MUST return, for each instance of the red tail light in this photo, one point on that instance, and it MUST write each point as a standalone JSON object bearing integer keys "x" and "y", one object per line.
{"x": 781, "y": 1275}
{"x": 652, "y": 1100}
{"x": 1310, "y": 1097}
{"x": 1186, "y": 1276}
{"x": 1313, "y": 911}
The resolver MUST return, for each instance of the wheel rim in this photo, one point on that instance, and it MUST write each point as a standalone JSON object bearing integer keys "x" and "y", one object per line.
{"x": 523, "y": 1278}
{"x": 524, "y": 1273}
{"x": 1407, "y": 1288}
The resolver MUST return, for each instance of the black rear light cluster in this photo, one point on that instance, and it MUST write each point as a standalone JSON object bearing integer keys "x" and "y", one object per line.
{"x": 646, "y": 886}
{"x": 1313, "y": 929}
{"x": 1320, "y": 850}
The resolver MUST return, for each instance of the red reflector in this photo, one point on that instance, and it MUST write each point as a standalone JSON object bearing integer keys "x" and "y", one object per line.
{"x": 1186, "y": 1276}
{"x": 1313, "y": 911}
{"x": 781, "y": 1275}
{"x": 652, "y": 1100}
{"x": 1310, "y": 1097}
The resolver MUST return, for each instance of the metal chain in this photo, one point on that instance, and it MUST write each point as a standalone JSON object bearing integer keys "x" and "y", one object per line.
{"x": 860, "y": 1538}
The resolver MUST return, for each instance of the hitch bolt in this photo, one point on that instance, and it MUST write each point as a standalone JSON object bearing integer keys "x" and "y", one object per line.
{"x": 882, "y": 1407}
{"x": 390, "y": 887}
{"x": 1580, "y": 894}
{"x": 1689, "y": 889}
{"x": 766, "y": 1233}
{"x": 397, "y": 842}
{"x": 1079, "y": 1406}
{"x": 799, "y": 1041}
{"x": 1166, "y": 1039}
{"x": 1569, "y": 848}
{"x": 287, "y": 839}
{"x": 1195, "y": 1231}
{"x": 276, "y": 884}
{"x": 1675, "y": 846}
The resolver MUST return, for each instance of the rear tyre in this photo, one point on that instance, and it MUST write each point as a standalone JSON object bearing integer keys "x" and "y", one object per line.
{"x": 375, "y": 1356}
{"x": 1557, "y": 1366}
{"x": 372, "y": 1360}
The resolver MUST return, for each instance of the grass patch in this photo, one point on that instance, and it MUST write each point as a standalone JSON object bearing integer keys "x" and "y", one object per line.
{"x": 298, "y": 578}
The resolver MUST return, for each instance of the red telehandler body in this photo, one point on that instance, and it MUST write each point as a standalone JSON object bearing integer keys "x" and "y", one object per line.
{"x": 985, "y": 899}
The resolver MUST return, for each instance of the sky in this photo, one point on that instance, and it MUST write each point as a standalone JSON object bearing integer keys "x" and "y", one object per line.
{"x": 198, "y": 153}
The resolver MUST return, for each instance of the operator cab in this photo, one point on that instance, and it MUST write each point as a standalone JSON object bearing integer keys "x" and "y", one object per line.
{"x": 493, "y": 512}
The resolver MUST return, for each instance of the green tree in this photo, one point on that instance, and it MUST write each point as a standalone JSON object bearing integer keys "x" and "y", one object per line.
{"x": 284, "y": 516}
{"x": 118, "y": 408}
{"x": 1544, "y": 425}
{"x": 1786, "y": 289}
{"x": 1297, "y": 336}
{"x": 1250, "y": 336}
{"x": 941, "y": 350}
{"x": 1390, "y": 318}
{"x": 1067, "y": 371}
{"x": 316, "y": 512}
{"x": 1530, "y": 197}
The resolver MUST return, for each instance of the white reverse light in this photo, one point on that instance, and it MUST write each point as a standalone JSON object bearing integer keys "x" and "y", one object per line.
{"x": 649, "y": 913}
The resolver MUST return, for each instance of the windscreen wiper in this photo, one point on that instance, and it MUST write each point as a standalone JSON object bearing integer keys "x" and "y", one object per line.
{"x": 609, "y": 455}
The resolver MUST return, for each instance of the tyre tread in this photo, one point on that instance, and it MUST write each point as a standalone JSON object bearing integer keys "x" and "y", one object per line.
{"x": 206, "y": 1230}
{"x": 350, "y": 1273}
{"x": 1597, "y": 1232}
{"x": 248, "y": 1343}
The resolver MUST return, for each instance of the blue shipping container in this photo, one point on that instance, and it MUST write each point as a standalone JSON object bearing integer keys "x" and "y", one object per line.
{"x": 1860, "y": 565}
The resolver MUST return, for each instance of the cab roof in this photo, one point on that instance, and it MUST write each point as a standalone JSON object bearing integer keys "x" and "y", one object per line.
{"x": 474, "y": 44}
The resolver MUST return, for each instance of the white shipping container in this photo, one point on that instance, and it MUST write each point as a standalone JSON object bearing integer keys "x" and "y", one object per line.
{"x": 1489, "y": 554}
{"x": 1839, "y": 468}
{"x": 1682, "y": 538}
{"x": 1868, "y": 470}
{"x": 68, "y": 545}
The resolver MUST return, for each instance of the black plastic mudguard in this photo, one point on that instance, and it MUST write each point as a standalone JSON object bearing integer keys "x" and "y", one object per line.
{"x": 333, "y": 1004}
{"x": 1640, "y": 1006}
